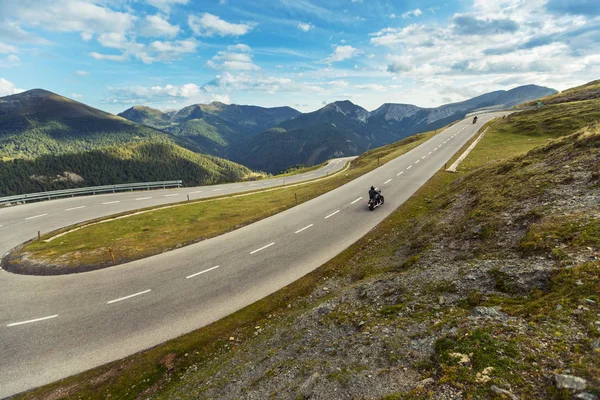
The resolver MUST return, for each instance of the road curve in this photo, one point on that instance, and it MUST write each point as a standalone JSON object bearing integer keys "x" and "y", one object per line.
{"x": 53, "y": 327}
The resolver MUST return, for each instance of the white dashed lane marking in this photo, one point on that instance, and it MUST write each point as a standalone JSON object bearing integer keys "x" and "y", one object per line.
{"x": 386, "y": 182}
{"x": 332, "y": 214}
{"x": 262, "y": 248}
{"x": 36, "y": 216}
{"x": 171, "y": 195}
{"x": 409, "y": 167}
{"x": 75, "y": 208}
{"x": 360, "y": 198}
{"x": 399, "y": 173}
{"x": 201, "y": 272}
{"x": 32, "y": 320}
{"x": 127, "y": 297}
{"x": 143, "y": 198}
{"x": 306, "y": 227}
{"x": 111, "y": 202}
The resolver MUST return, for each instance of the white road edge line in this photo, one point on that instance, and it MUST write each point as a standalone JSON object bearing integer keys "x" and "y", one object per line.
{"x": 143, "y": 198}
{"x": 332, "y": 214}
{"x": 171, "y": 195}
{"x": 127, "y": 297}
{"x": 360, "y": 198}
{"x": 32, "y": 320}
{"x": 201, "y": 272}
{"x": 37, "y": 216}
{"x": 262, "y": 248}
{"x": 111, "y": 202}
{"x": 74, "y": 208}
{"x": 306, "y": 227}
{"x": 386, "y": 182}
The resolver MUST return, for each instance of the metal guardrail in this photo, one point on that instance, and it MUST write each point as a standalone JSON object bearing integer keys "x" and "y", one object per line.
{"x": 24, "y": 198}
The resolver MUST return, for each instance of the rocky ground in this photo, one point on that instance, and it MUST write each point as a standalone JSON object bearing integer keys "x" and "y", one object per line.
{"x": 494, "y": 295}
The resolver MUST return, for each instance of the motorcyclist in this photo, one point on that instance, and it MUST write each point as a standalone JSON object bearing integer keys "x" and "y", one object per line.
{"x": 373, "y": 194}
{"x": 475, "y": 119}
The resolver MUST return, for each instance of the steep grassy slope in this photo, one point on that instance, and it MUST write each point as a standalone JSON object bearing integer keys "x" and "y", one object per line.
{"x": 590, "y": 90}
{"x": 39, "y": 122}
{"x": 135, "y": 162}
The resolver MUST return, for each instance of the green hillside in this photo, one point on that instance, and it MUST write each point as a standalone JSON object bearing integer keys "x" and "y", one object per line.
{"x": 38, "y": 122}
{"x": 133, "y": 162}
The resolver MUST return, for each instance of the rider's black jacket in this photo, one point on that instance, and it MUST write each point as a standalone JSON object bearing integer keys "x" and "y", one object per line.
{"x": 373, "y": 194}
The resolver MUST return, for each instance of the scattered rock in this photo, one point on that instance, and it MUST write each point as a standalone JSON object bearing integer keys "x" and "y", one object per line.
{"x": 586, "y": 396}
{"x": 559, "y": 307}
{"x": 569, "y": 382}
{"x": 481, "y": 311}
{"x": 463, "y": 358}
{"x": 425, "y": 382}
{"x": 579, "y": 282}
{"x": 168, "y": 361}
{"x": 441, "y": 300}
{"x": 231, "y": 338}
{"x": 306, "y": 389}
{"x": 501, "y": 392}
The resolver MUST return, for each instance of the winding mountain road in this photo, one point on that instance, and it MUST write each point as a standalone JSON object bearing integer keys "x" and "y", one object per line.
{"x": 55, "y": 326}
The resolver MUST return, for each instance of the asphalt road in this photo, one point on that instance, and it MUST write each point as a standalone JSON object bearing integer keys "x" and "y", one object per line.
{"x": 53, "y": 327}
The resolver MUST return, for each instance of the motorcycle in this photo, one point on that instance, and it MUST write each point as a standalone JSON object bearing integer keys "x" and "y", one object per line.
{"x": 374, "y": 203}
{"x": 475, "y": 119}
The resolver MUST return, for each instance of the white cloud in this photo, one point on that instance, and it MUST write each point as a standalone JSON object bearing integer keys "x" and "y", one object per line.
{"x": 157, "y": 26}
{"x": 372, "y": 87}
{"x": 238, "y": 57}
{"x": 239, "y": 47}
{"x": 167, "y": 95}
{"x": 166, "y": 51}
{"x": 76, "y": 95}
{"x": 342, "y": 53}
{"x": 82, "y": 73}
{"x": 165, "y": 5}
{"x": 10, "y": 61}
{"x": 10, "y": 30}
{"x": 392, "y": 16}
{"x": 416, "y": 12}
{"x": 72, "y": 16}
{"x": 86, "y": 36}
{"x": 305, "y": 26}
{"x": 7, "y": 48}
{"x": 110, "y": 57}
{"x": 338, "y": 83}
{"x": 210, "y": 25}
{"x": 7, "y": 88}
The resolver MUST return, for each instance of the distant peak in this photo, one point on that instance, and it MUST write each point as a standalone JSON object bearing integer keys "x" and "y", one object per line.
{"x": 37, "y": 93}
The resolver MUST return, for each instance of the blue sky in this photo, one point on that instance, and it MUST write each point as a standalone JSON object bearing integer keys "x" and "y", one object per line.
{"x": 301, "y": 53}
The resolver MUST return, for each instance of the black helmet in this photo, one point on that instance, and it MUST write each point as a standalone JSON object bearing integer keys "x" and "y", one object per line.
{"x": 372, "y": 188}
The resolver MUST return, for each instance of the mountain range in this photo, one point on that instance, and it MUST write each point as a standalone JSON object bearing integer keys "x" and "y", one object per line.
{"x": 38, "y": 123}
{"x": 273, "y": 139}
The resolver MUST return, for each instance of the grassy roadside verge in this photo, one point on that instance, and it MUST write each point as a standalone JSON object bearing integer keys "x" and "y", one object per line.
{"x": 166, "y": 228}
{"x": 160, "y": 368}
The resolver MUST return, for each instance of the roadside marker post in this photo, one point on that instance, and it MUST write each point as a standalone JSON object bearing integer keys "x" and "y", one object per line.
{"x": 39, "y": 236}
{"x": 296, "y": 197}
{"x": 112, "y": 255}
